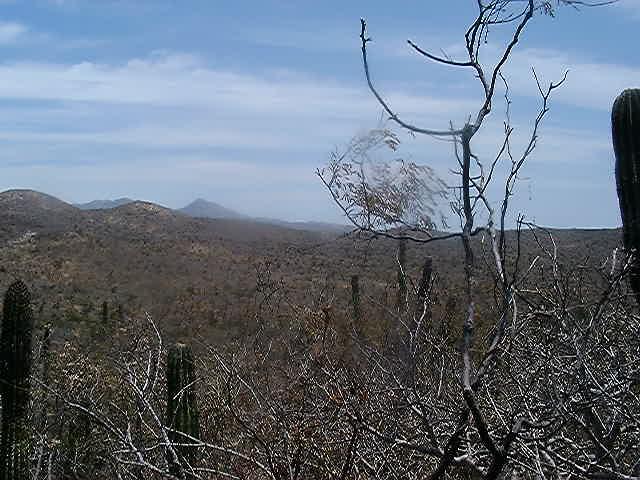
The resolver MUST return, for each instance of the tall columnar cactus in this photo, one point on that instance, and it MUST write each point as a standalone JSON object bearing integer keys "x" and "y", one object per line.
{"x": 104, "y": 313}
{"x": 625, "y": 126}
{"x": 182, "y": 410}
{"x": 355, "y": 300}
{"x": 401, "y": 301}
{"x": 425, "y": 280}
{"x": 15, "y": 369}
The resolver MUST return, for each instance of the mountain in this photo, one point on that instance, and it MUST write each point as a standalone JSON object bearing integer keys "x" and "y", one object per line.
{"x": 204, "y": 209}
{"x": 23, "y": 199}
{"x": 103, "y": 204}
{"x": 218, "y": 276}
{"x": 24, "y": 213}
{"x": 27, "y": 210}
{"x": 201, "y": 208}
{"x": 143, "y": 256}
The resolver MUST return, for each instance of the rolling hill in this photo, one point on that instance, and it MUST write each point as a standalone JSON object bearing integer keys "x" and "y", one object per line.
{"x": 214, "y": 275}
{"x": 26, "y": 210}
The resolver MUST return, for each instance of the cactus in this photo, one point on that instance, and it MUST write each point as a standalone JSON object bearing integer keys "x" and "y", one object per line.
{"x": 15, "y": 369}
{"x": 425, "y": 281}
{"x": 625, "y": 127}
{"x": 355, "y": 299}
{"x": 182, "y": 410}
{"x": 104, "y": 313}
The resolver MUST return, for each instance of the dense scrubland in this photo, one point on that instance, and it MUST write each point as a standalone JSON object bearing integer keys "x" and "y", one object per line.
{"x": 289, "y": 370}
{"x": 207, "y": 277}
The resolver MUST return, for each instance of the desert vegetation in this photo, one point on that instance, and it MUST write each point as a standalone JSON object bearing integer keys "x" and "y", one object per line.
{"x": 404, "y": 349}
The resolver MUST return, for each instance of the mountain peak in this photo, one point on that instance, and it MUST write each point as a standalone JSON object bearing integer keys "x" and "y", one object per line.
{"x": 202, "y": 208}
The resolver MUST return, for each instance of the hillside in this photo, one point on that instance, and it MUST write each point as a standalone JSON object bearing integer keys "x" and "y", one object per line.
{"x": 205, "y": 275}
{"x": 141, "y": 255}
{"x": 28, "y": 210}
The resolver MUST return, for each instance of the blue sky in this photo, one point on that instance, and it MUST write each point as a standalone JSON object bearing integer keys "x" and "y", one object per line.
{"x": 240, "y": 102}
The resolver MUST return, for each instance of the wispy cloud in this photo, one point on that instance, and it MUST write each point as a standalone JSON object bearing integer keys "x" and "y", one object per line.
{"x": 11, "y": 32}
{"x": 590, "y": 84}
{"x": 177, "y": 100}
{"x": 182, "y": 80}
{"x": 168, "y": 120}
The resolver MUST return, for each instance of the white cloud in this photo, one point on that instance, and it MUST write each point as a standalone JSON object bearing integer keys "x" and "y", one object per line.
{"x": 175, "y": 100}
{"x": 159, "y": 136}
{"x": 181, "y": 80}
{"x": 590, "y": 84}
{"x": 11, "y": 32}
{"x": 277, "y": 126}
{"x": 216, "y": 106}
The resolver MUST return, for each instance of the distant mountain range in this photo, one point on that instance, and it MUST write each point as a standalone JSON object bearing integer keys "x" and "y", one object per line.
{"x": 102, "y": 204}
{"x": 201, "y": 208}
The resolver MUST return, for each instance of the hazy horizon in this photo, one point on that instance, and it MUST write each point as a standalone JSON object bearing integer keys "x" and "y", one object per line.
{"x": 244, "y": 216}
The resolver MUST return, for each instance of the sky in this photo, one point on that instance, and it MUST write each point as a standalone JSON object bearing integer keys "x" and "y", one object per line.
{"x": 240, "y": 102}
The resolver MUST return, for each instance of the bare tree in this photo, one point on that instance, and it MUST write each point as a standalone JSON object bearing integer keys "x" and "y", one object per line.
{"x": 486, "y": 416}
{"x": 558, "y": 400}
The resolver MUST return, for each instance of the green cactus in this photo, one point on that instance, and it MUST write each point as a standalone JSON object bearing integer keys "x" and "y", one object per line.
{"x": 182, "y": 411}
{"x": 15, "y": 369}
{"x": 625, "y": 127}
